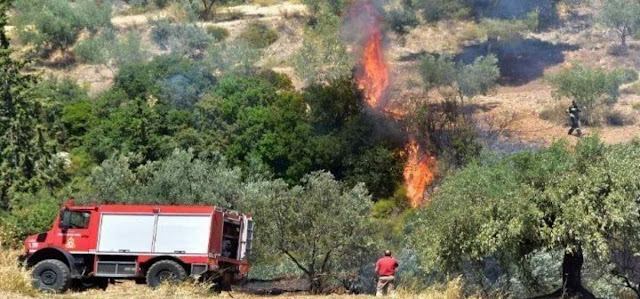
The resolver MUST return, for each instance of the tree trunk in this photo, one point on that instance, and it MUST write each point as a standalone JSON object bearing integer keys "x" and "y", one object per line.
{"x": 572, "y": 275}
{"x": 315, "y": 286}
{"x": 571, "y": 278}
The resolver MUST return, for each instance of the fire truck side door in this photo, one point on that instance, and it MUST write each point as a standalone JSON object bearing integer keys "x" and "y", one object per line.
{"x": 215, "y": 243}
{"x": 74, "y": 230}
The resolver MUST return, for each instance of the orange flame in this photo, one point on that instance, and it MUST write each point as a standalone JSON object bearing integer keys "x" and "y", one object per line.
{"x": 417, "y": 173}
{"x": 373, "y": 79}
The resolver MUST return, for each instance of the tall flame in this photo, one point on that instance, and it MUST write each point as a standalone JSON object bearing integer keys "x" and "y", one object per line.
{"x": 373, "y": 79}
{"x": 417, "y": 173}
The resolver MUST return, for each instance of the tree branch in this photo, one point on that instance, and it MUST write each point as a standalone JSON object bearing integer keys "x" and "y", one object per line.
{"x": 295, "y": 261}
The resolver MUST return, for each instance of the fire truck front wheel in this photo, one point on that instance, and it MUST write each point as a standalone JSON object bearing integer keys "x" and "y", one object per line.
{"x": 165, "y": 271}
{"x": 51, "y": 276}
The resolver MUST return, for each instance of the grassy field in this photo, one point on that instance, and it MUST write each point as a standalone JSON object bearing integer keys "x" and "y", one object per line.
{"x": 16, "y": 283}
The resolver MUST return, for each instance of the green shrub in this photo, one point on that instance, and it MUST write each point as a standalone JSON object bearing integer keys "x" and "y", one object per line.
{"x": 324, "y": 56}
{"x": 180, "y": 39}
{"x": 334, "y": 7}
{"x": 31, "y": 214}
{"x": 91, "y": 50}
{"x": 436, "y": 10}
{"x": 217, "y": 32}
{"x": 232, "y": 15}
{"x": 174, "y": 79}
{"x": 162, "y": 3}
{"x": 590, "y": 87}
{"x": 627, "y": 75}
{"x": 161, "y": 32}
{"x": 56, "y": 24}
{"x": 112, "y": 51}
{"x": 402, "y": 20}
{"x": 233, "y": 57}
{"x": 259, "y": 35}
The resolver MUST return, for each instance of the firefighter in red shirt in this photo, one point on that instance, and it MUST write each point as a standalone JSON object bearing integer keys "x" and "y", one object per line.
{"x": 386, "y": 272}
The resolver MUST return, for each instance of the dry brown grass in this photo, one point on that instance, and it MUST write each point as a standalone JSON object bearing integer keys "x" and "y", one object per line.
{"x": 15, "y": 282}
{"x": 13, "y": 279}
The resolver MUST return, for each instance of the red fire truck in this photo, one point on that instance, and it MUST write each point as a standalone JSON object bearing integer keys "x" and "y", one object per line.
{"x": 89, "y": 245}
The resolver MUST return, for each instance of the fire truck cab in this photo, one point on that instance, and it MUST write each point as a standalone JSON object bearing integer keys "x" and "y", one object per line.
{"x": 88, "y": 245}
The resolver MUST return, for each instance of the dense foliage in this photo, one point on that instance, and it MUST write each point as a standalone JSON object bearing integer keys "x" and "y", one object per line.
{"x": 57, "y": 24}
{"x": 322, "y": 226}
{"x": 28, "y": 160}
{"x": 557, "y": 198}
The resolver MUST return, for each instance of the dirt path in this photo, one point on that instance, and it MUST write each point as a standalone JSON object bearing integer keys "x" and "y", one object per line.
{"x": 251, "y": 12}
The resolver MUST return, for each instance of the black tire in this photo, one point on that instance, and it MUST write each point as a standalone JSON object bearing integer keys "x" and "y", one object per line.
{"x": 165, "y": 271}
{"x": 51, "y": 276}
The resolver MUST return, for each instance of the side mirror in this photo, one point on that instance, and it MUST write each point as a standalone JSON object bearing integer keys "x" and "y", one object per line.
{"x": 65, "y": 219}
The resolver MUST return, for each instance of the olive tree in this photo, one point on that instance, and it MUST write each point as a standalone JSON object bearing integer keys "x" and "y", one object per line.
{"x": 590, "y": 87}
{"x": 323, "y": 57}
{"x": 436, "y": 10}
{"x": 575, "y": 200}
{"x": 181, "y": 178}
{"x": 57, "y": 24}
{"x": 113, "y": 52}
{"x": 233, "y": 58}
{"x": 465, "y": 81}
{"x": 499, "y": 30}
{"x": 316, "y": 7}
{"x": 321, "y": 226}
{"x": 623, "y": 16}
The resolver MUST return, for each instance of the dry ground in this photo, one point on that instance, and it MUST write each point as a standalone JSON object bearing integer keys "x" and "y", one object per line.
{"x": 518, "y": 105}
{"x": 15, "y": 283}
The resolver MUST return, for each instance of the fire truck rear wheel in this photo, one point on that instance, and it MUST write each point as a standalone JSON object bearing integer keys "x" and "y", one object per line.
{"x": 165, "y": 271}
{"x": 51, "y": 276}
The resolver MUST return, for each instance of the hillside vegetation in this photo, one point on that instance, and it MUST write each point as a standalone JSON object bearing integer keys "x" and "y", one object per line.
{"x": 262, "y": 106}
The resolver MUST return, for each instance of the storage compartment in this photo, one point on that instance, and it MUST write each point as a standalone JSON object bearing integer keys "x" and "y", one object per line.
{"x": 230, "y": 239}
{"x": 181, "y": 234}
{"x": 116, "y": 269}
{"x": 126, "y": 233}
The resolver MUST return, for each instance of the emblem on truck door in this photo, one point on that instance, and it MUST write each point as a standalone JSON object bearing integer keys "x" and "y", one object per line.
{"x": 71, "y": 243}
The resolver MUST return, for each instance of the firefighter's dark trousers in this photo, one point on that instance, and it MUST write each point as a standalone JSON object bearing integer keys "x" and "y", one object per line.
{"x": 575, "y": 126}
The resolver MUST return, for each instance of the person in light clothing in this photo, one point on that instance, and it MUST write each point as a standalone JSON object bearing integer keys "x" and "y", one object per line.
{"x": 386, "y": 272}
